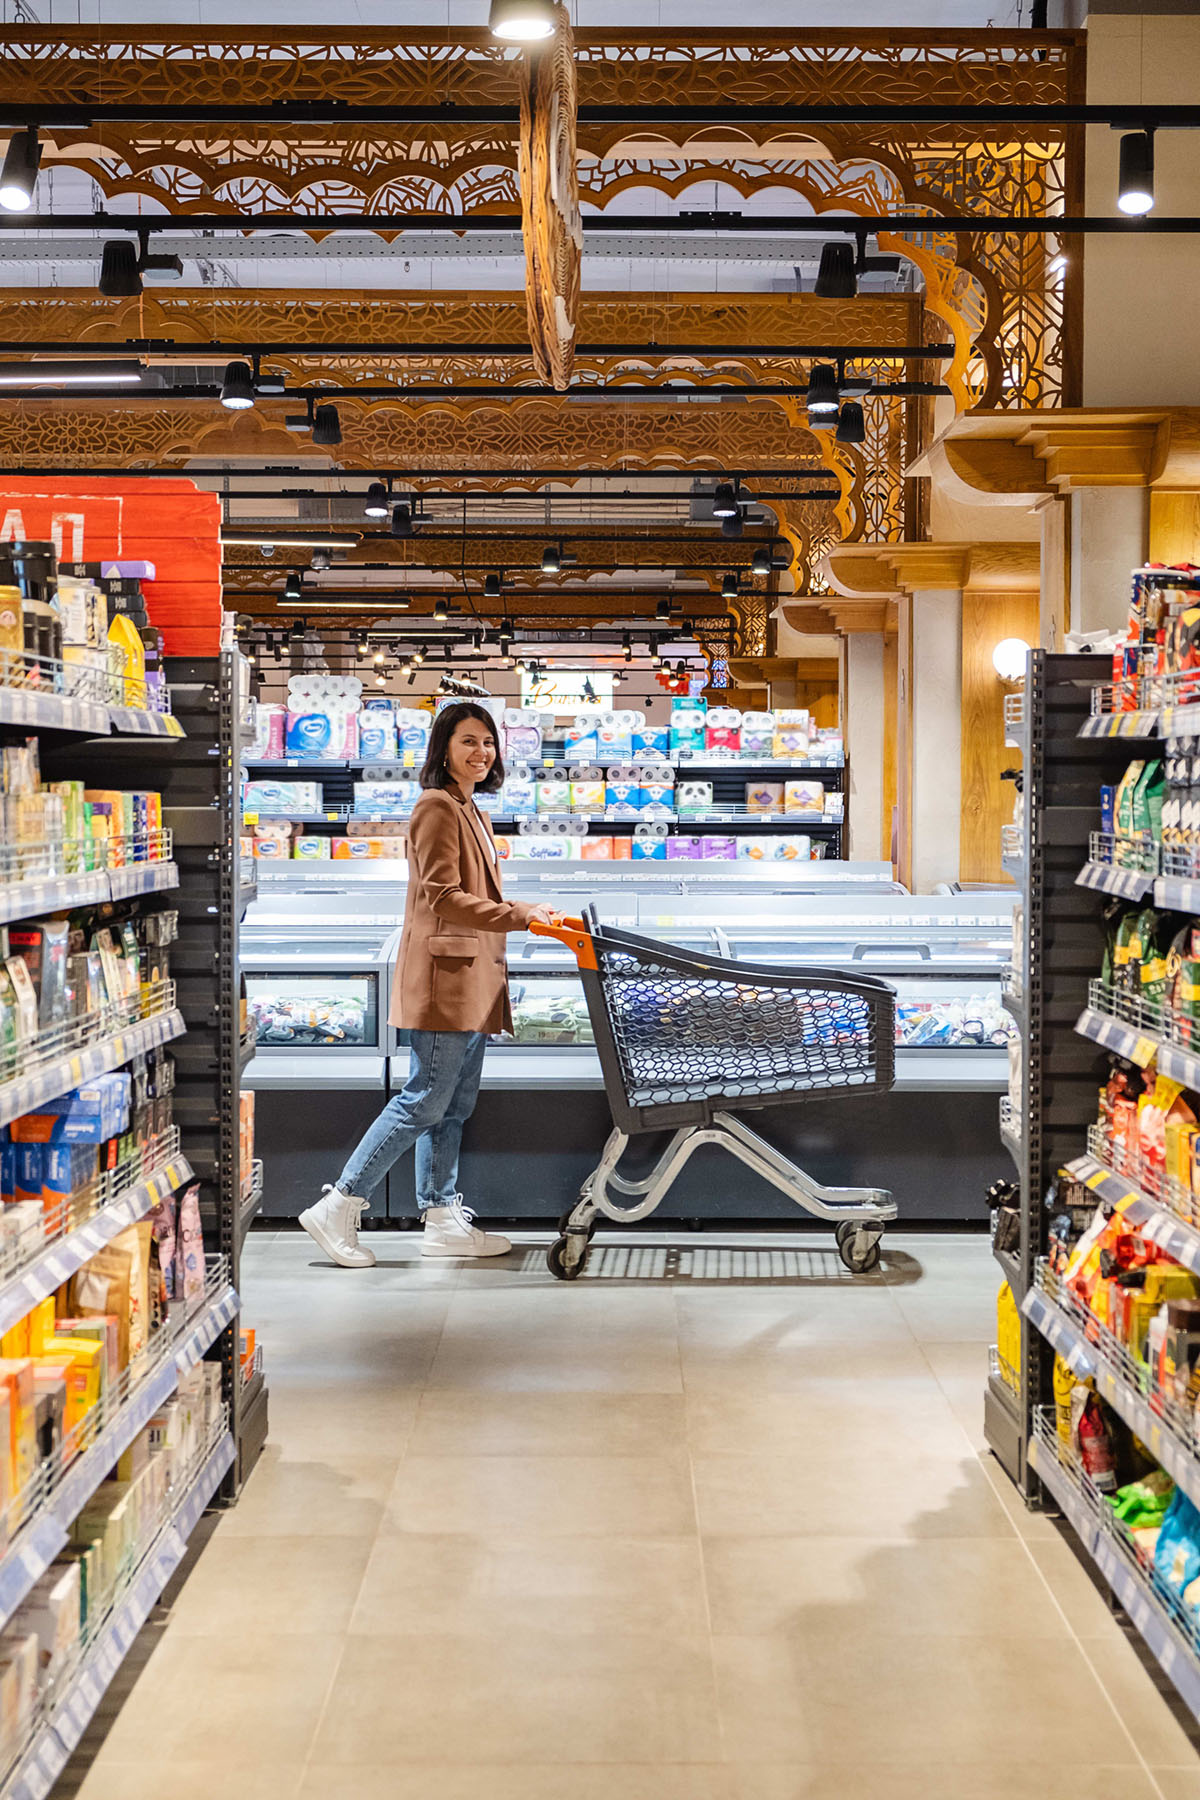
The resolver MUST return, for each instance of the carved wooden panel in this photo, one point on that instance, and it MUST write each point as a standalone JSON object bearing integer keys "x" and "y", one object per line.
{"x": 550, "y": 219}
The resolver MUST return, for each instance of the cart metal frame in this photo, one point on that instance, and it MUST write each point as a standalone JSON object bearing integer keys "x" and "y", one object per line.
{"x": 733, "y": 1035}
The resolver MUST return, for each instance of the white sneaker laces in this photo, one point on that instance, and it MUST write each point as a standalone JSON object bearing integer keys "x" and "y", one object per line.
{"x": 462, "y": 1215}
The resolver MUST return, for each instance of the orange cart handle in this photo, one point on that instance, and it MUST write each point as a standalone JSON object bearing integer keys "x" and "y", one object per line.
{"x": 574, "y": 934}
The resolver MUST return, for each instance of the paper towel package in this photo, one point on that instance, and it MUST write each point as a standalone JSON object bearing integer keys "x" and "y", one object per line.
{"x": 803, "y": 796}
{"x": 764, "y": 796}
{"x": 758, "y": 734}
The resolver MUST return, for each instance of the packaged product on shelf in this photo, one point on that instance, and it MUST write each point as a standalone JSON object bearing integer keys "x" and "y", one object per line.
{"x": 367, "y": 849}
{"x": 723, "y": 730}
{"x": 522, "y": 733}
{"x": 596, "y": 849}
{"x": 273, "y": 839}
{"x": 803, "y": 797}
{"x": 652, "y": 740}
{"x": 793, "y": 727}
{"x": 246, "y": 1137}
{"x": 581, "y": 742}
{"x": 394, "y": 798}
{"x": 683, "y": 849}
{"x": 18, "y": 1685}
{"x": 377, "y": 731}
{"x": 268, "y": 722}
{"x": 614, "y": 738}
{"x": 649, "y": 843}
{"x": 764, "y": 796}
{"x": 518, "y": 795}
{"x": 282, "y": 797}
{"x": 587, "y": 790}
{"x": 692, "y": 795}
{"x": 412, "y": 733}
{"x": 311, "y": 849}
{"x": 49, "y": 1614}
{"x": 758, "y": 734}
{"x": 23, "y": 996}
{"x": 688, "y": 728}
{"x": 43, "y": 947}
{"x": 718, "y": 849}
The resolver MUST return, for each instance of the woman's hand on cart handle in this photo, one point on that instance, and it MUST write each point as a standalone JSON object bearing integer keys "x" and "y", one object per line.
{"x": 542, "y": 915}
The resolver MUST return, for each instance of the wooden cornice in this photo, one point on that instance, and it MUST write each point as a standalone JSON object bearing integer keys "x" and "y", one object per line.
{"x": 1021, "y": 458}
{"x": 881, "y": 571}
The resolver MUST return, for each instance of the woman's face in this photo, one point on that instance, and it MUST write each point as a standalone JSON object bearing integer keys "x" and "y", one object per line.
{"x": 471, "y": 753}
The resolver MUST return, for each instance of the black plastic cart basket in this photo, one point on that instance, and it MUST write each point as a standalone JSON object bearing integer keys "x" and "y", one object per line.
{"x": 685, "y": 1042}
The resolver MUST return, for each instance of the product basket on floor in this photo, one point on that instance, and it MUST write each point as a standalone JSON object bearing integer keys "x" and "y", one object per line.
{"x": 685, "y": 1042}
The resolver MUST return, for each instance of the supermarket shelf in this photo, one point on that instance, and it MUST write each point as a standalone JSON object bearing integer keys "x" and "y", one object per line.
{"x": 1177, "y": 1457}
{"x": 1130, "y": 884}
{"x": 60, "y": 893}
{"x": 1177, "y": 895}
{"x": 249, "y": 1207}
{"x": 207, "y": 1328}
{"x": 728, "y": 817}
{"x": 1180, "y": 721}
{"x": 1124, "y": 1039}
{"x": 1162, "y": 1637}
{"x": 141, "y": 721}
{"x": 749, "y": 765}
{"x": 53, "y": 712}
{"x": 1010, "y": 1262}
{"x": 1157, "y": 1223}
{"x": 58, "y": 1260}
{"x": 1010, "y": 1137}
{"x": 1143, "y": 724}
{"x": 25, "y": 1092}
{"x": 36, "y": 1773}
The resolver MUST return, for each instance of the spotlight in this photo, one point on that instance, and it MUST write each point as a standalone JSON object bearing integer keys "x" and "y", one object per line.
{"x": 730, "y": 586}
{"x": 321, "y": 560}
{"x": 761, "y": 564}
{"x": 421, "y": 654}
{"x": 360, "y": 647}
{"x": 836, "y": 279}
{"x": 237, "y": 388}
{"x": 681, "y": 669}
{"x": 376, "y": 503}
{"x": 160, "y": 270}
{"x": 851, "y": 425}
{"x": 251, "y": 654}
{"x": 725, "y": 504}
{"x": 732, "y": 528}
{"x": 297, "y": 634}
{"x": 1008, "y": 658}
{"x": 627, "y": 647}
{"x": 120, "y": 278}
{"x": 381, "y": 679}
{"x": 327, "y": 427}
{"x": 491, "y": 587}
{"x": 1135, "y": 181}
{"x": 505, "y": 638}
{"x": 662, "y": 612}
{"x": 292, "y": 587}
{"x": 19, "y": 175}
{"x": 440, "y": 610}
{"x": 402, "y": 520}
{"x": 823, "y": 397}
{"x": 378, "y": 657}
{"x": 551, "y": 560}
{"x": 522, "y": 21}
{"x": 656, "y": 656}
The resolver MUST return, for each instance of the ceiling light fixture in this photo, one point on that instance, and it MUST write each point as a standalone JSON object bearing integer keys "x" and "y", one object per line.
{"x": 836, "y": 279}
{"x": 730, "y": 586}
{"x": 237, "y": 387}
{"x": 327, "y": 427}
{"x": 360, "y": 646}
{"x": 732, "y": 528}
{"x": 491, "y": 586}
{"x": 551, "y": 560}
{"x": 1008, "y": 658}
{"x": 381, "y": 679}
{"x": 160, "y": 269}
{"x": 293, "y": 587}
{"x": 522, "y": 21}
{"x": 823, "y": 399}
{"x": 441, "y": 611}
{"x": 1135, "y": 179}
{"x": 761, "y": 564}
{"x": 120, "y": 277}
{"x": 402, "y": 520}
{"x": 376, "y": 504}
{"x": 70, "y": 374}
{"x": 725, "y": 504}
{"x": 662, "y": 612}
{"x": 852, "y": 424}
{"x": 18, "y": 177}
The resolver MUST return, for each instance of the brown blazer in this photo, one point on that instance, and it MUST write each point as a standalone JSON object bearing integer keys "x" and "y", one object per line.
{"x": 451, "y": 975}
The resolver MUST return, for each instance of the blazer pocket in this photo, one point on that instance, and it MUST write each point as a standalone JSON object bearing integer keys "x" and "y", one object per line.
{"x": 466, "y": 945}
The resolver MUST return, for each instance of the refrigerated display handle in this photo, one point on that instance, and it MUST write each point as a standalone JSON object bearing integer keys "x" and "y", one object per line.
{"x": 861, "y": 952}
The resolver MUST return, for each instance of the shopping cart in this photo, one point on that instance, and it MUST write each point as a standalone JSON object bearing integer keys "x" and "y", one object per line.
{"x": 686, "y": 1041}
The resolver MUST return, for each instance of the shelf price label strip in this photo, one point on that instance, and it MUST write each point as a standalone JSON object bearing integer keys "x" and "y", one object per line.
{"x": 1130, "y": 884}
{"x": 140, "y": 722}
{"x": 207, "y": 1329}
{"x": 54, "y": 712}
{"x": 59, "y": 1260}
{"x": 25, "y": 1092}
{"x": 1159, "y": 1632}
{"x": 57, "y": 893}
{"x": 1058, "y": 1331}
{"x": 1157, "y": 1223}
{"x": 1122, "y": 1039}
{"x": 1176, "y": 894}
{"x": 1120, "y": 725}
{"x": 48, "y": 1755}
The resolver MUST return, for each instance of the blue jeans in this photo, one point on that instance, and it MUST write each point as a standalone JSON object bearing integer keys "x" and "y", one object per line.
{"x": 430, "y": 1112}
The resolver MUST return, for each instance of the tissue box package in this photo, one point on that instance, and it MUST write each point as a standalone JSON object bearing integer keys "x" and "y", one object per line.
{"x": 282, "y": 797}
{"x": 723, "y": 731}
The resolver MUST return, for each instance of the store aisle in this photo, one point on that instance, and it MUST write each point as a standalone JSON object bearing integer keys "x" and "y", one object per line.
{"x": 713, "y": 1525}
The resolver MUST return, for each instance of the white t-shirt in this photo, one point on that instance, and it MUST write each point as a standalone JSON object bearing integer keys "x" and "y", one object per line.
{"x": 487, "y": 835}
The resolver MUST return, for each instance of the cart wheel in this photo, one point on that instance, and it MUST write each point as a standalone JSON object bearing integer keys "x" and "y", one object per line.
{"x": 845, "y": 1230}
{"x": 564, "y": 1224}
{"x": 559, "y": 1267}
{"x": 859, "y": 1252}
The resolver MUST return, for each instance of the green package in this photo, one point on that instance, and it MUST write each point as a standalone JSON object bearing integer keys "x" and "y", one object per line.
{"x": 1123, "y": 805}
{"x": 1146, "y": 804}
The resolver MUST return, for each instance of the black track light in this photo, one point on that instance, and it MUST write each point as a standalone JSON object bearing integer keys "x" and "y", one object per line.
{"x": 627, "y": 646}
{"x": 491, "y": 587}
{"x": 656, "y": 656}
{"x": 851, "y": 425}
{"x": 378, "y": 656}
{"x": 381, "y": 679}
{"x": 681, "y": 668}
{"x": 441, "y": 611}
{"x": 732, "y": 528}
{"x": 1135, "y": 180}
{"x": 159, "y": 269}
{"x": 327, "y": 427}
{"x": 237, "y": 387}
{"x": 19, "y": 174}
{"x": 120, "y": 277}
{"x": 730, "y": 586}
{"x": 297, "y": 634}
{"x": 422, "y": 653}
{"x": 375, "y": 505}
{"x": 761, "y": 565}
{"x": 724, "y": 501}
{"x": 360, "y": 647}
{"x": 551, "y": 560}
{"x": 823, "y": 398}
{"x": 402, "y": 520}
{"x": 662, "y": 612}
{"x": 292, "y": 587}
{"x": 836, "y": 279}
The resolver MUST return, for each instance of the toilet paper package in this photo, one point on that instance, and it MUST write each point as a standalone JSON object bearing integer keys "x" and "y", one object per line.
{"x": 282, "y": 796}
{"x": 723, "y": 730}
{"x": 504, "y": 847}
{"x": 377, "y": 731}
{"x": 776, "y": 849}
{"x": 687, "y": 730}
{"x": 412, "y": 734}
{"x": 518, "y": 796}
{"x": 547, "y": 849}
{"x": 311, "y": 849}
{"x": 622, "y": 799}
{"x": 522, "y": 732}
{"x": 272, "y": 849}
{"x": 758, "y": 734}
{"x": 652, "y": 740}
{"x": 395, "y": 798}
{"x": 269, "y": 728}
{"x": 311, "y": 735}
{"x": 596, "y": 849}
{"x": 367, "y": 849}
{"x": 649, "y": 841}
{"x": 792, "y": 732}
{"x": 835, "y": 806}
{"x": 683, "y": 849}
{"x": 689, "y": 795}
{"x": 718, "y": 849}
{"x": 656, "y": 798}
{"x": 588, "y": 796}
{"x": 764, "y": 796}
{"x": 553, "y": 792}
{"x": 803, "y": 796}
{"x": 614, "y": 737}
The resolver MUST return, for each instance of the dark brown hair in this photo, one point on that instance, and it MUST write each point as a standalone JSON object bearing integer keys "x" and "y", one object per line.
{"x": 436, "y": 773}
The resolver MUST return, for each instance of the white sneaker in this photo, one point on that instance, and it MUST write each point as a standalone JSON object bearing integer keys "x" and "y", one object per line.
{"x": 333, "y": 1224}
{"x": 449, "y": 1232}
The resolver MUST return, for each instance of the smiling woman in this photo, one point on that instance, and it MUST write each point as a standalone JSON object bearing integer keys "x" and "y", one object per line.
{"x": 451, "y": 990}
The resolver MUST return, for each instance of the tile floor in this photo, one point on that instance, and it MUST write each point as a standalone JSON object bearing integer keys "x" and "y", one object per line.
{"x": 712, "y": 1525}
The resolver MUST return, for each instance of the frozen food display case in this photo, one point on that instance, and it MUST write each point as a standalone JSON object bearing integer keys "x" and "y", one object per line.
{"x": 542, "y": 1115}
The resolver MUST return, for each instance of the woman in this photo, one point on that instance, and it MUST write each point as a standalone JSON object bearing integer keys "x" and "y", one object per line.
{"x": 451, "y": 990}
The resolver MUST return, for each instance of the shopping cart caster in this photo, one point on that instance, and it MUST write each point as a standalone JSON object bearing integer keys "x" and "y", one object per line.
{"x": 858, "y": 1246}
{"x": 566, "y": 1258}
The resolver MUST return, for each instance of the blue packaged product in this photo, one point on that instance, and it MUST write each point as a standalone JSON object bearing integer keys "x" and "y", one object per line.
{"x": 649, "y": 849}
{"x": 30, "y": 1172}
{"x": 376, "y": 736}
{"x": 414, "y": 738}
{"x": 1177, "y": 1549}
{"x": 309, "y": 734}
{"x": 95, "y": 1112}
{"x": 1108, "y": 809}
{"x": 8, "y": 1168}
{"x": 653, "y": 741}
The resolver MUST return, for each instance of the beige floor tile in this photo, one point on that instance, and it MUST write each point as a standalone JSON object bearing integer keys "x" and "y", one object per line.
{"x": 944, "y": 1781}
{"x": 461, "y": 1585}
{"x": 825, "y": 1420}
{"x": 1085, "y": 1606}
{"x": 451, "y": 1423}
{"x": 959, "y": 1587}
{"x": 198, "y": 1696}
{"x": 527, "y": 1781}
{"x": 272, "y": 1583}
{"x": 312, "y": 1498}
{"x": 1178, "y": 1784}
{"x": 843, "y": 1694}
{"x": 961, "y": 1371}
{"x": 555, "y": 1495}
{"x": 566, "y": 1340}
{"x": 520, "y": 1698}
{"x": 1133, "y": 1683}
{"x": 858, "y": 1496}
{"x": 152, "y": 1780}
{"x": 336, "y": 1421}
